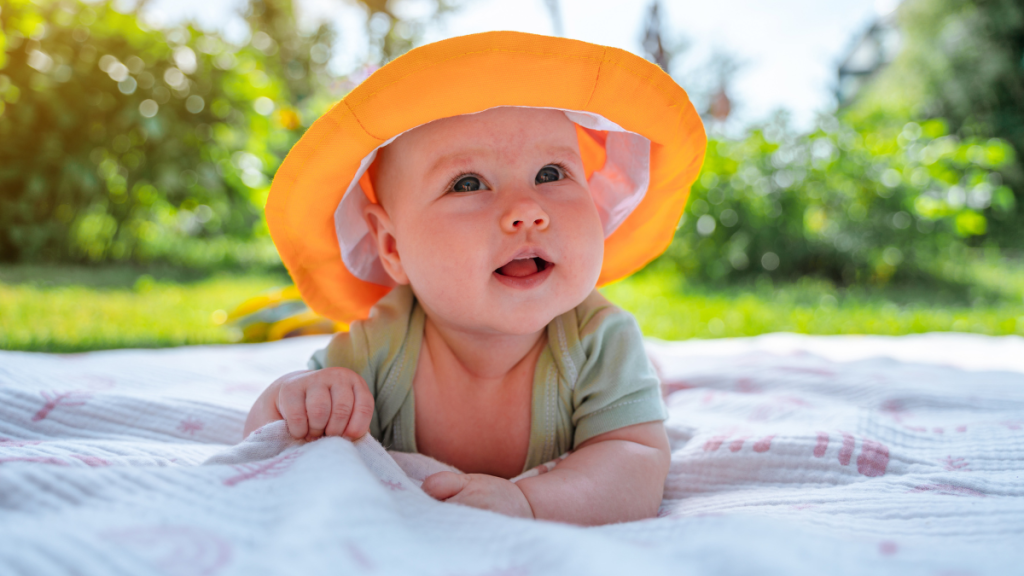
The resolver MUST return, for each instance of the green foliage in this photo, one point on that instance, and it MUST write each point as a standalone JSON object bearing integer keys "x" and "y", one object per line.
{"x": 961, "y": 60}
{"x": 118, "y": 142}
{"x": 122, "y": 143}
{"x": 850, "y": 205}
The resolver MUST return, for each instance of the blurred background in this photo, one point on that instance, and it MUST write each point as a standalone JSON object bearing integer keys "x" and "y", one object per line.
{"x": 863, "y": 173}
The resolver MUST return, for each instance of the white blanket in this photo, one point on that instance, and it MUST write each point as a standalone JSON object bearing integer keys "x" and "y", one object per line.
{"x": 791, "y": 455}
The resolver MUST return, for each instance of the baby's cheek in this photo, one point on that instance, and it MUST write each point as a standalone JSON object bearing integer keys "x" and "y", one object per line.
{"x": 588, "y": 244}
{"x": 443, "y": 267}
{"x": 444, "y": 257}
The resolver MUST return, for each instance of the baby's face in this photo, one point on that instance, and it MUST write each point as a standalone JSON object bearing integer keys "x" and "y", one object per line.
{"x": 488, "y": 216}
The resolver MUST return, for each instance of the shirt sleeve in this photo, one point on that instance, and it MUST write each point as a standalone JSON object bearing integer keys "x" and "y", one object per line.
{"x": 617, "y": 385}
{"x": 347, "y": 350}
{"x": 316, "y": 361}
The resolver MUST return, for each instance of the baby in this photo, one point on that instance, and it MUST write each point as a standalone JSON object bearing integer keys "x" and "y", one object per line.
{"x": 493, "y": 352}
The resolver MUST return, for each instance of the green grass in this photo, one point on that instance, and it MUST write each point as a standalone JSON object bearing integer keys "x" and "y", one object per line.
{"x": 982, "y": 297}
{"x": 71, "y": 309}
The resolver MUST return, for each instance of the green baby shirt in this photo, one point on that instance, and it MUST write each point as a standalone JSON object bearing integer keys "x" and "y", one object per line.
{"x": 592, "y": 377}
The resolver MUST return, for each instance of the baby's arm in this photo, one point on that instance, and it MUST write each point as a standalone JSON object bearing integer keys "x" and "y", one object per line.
{"x": 315, "y": 403}
{"x": 614, "y": 477}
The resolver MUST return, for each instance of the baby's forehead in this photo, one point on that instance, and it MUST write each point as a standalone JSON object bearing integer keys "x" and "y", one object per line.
{"x": 504, "y": 127}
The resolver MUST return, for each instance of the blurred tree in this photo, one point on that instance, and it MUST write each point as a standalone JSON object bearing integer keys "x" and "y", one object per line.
{"x": 393, "y": 27}
{"x": 961, "y": 60}
{"x": 920, "y": 167}
{"x": 869, "y": 205}
{"x": 120, "y": 142}
{"x": 653, "y": 39}
{"x": 715, "y": 78}
{"x": 706, "y": 85}
{"x": 555, "y": 11}
{"x": 300, "y": 59}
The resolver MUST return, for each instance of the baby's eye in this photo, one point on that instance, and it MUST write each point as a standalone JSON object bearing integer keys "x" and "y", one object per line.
{"x": 467, "y": 184}
{"x": 549, "y": 173}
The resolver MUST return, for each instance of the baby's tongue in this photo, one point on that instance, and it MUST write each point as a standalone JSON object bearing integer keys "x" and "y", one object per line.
{"x": 519, "y": 268}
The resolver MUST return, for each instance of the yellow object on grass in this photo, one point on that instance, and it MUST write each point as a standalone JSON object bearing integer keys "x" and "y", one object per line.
{"x": 279, "y": 314}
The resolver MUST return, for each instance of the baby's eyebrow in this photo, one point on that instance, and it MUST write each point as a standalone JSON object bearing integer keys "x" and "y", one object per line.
{"x": 565, "y": 151}
{"x": 467, "y": 156}
{"x": 461, "y": 157}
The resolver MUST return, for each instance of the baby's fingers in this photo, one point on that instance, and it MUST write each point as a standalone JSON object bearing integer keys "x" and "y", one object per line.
{"x": 291, "y": 403}
{"x": 362, "y": 412}
{"x": 318, "y": 410}
{"x": 444, "y": 485}
{"x": 341, "y": 408}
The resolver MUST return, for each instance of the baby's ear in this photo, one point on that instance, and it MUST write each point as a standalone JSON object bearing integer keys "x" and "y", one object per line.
{"x": 382, "y": 232}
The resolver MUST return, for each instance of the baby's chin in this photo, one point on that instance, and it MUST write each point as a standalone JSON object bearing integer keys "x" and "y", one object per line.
{"x": 500, "y": 318}
{"x": 522, "y": 324}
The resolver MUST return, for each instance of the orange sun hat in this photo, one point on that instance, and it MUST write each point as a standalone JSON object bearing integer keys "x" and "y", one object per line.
{"x": 641, "y": 141}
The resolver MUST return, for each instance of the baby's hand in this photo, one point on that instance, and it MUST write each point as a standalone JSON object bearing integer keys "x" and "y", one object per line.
{"x": 327, "y": 402}
{"x": 479, "y": 491}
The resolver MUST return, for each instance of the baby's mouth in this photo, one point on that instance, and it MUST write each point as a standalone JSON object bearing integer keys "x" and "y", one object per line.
{"x": 524, "y": 267}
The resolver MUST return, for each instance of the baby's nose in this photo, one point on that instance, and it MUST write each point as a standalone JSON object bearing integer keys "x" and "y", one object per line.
{"x": 523, "y": 215}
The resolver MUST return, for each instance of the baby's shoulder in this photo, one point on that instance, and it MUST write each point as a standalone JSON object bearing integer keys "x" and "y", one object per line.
{"x": 596, "y": 314}
{"x": 378, "y": 337}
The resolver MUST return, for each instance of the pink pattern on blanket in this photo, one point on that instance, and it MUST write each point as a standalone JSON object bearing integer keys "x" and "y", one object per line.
{"x": 747, "y": 386}
{"x": 93, "y": 461}
{"x": 951, "y": 464}
{"x": 190, "y": 426}
{"x": 873, "y": 459}
{"x": 948, "y": 490}
{"x": 887, "y": 548}
{"x": 846, "y": 452}
{"x": 714, "y": 443}
{"x": 764, "y": 444}
{"x": 735, "y": 445}
{"x": 54, "y": 399}
{"x": 895, "y": 409}
{"x": 821, "y": 446}
{"x": 359, "y": 557}
{"x": 9, "y": 443}
{"x": 667, "y": 388}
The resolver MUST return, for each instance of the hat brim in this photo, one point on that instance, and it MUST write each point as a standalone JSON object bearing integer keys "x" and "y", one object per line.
{"x": 507, "y": 69}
